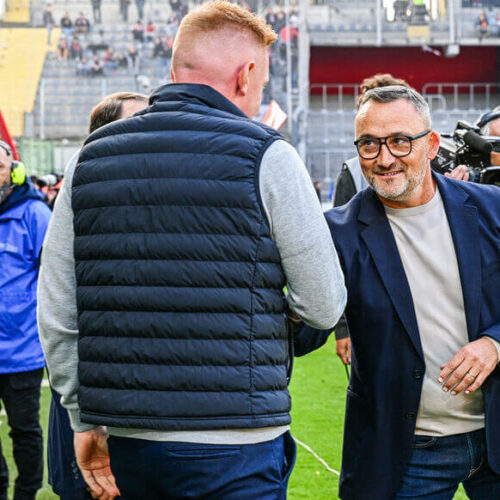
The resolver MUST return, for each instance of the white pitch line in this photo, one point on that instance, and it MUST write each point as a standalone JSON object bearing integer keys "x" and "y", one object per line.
{"x": 317, "y": 457}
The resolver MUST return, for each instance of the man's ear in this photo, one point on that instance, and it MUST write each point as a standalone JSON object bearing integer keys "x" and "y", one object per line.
{"x": 243, "y": 81}
{"x": 433, "y": 145}
{"x": 172, "y": 74}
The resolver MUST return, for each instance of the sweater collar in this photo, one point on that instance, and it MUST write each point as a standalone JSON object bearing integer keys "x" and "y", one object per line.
{"x": 195, "y": 93}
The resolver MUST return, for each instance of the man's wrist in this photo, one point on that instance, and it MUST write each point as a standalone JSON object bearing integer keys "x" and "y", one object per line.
{"x": 497, "y": 346}
{"x": 76, "y": 424}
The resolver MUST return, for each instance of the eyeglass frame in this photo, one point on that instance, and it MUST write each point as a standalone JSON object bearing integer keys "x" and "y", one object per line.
{"x": 383, "y": 141}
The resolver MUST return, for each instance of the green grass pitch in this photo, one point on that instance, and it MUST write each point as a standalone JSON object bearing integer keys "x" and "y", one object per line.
{"x": 318, "y": 398}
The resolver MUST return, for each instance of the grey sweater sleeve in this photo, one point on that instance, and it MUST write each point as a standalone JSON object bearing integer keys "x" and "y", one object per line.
{"x": 316, "y": 290}
{"x": 57, "y": 313}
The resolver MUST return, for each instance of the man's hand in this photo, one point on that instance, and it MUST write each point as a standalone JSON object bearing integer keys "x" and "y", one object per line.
{"x": 343, "y": 349}
{"x": 91, "y": 450}
{"x": 461, "y": 173}
{"x": 470, "y": 366}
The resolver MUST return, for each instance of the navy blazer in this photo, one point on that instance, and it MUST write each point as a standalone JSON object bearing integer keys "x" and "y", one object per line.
{"x": 387, "y": 361}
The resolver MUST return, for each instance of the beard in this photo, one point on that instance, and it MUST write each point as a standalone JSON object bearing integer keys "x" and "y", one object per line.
{"x": 400, "y": 188}
{"x": 5, "y": 189}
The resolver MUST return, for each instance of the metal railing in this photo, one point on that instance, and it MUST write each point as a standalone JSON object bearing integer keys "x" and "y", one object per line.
{"x": 466, "y": 96}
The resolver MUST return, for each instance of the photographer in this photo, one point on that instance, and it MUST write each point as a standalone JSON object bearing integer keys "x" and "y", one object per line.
{"x": 489, "y": 126}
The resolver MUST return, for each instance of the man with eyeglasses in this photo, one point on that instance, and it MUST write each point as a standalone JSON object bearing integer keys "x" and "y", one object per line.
{"x": 420, "y": 254}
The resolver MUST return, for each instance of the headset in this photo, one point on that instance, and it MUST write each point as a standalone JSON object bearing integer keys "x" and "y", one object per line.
{"x": 18, "y": 170}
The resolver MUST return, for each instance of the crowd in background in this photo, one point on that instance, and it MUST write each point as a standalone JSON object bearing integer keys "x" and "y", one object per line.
{"x": 91, "y": 47}
{"x": 94, "y": 50}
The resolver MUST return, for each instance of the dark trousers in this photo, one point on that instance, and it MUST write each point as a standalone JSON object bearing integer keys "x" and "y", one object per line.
{"x": 159, "y": 470}
{"x": 64, "y": 475}
{"x": 20, "y": 394}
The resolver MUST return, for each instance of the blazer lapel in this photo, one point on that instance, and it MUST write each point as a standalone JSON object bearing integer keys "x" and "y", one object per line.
{"x": 380, "y": 241}
{"x": 464, "y": 227}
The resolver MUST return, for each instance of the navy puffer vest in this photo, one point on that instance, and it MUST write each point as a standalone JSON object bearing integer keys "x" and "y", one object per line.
{"x": 179, "y": 284}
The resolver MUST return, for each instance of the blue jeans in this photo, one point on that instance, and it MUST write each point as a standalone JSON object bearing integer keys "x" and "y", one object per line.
{"x": 438, "y": 465}
{"x": 158, "y": 470}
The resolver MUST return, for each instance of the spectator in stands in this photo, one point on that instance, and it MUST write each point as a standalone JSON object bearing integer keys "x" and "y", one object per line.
{"x": 482, "y": 25}
{"x": 183, "y": 10}
{"x": 62, "y": 49}
{"x": 66, "y": 25}
{"x": 124, "y": 5}
{"x": 138, "y": 31}
{"x": 24, "y": 218}
{"x": 122, "y": 60}
{"x": 289, "y": 34}
{"x": 76, "y": 49}
{"x": 83, "y": 67}
{"x": 279, "y": 20}
{"x": 96, "y": 11}
{"x": 140, "y": 8}
{"x": 419, "y": 14}
{"x": 82, "y": 24}
{"x": 164, "y": 52}
{"x": 134, "y": 57}
{"x": 96, "y": 68}
{"x": 289, "y": 37}
{"x": 97, "y": 41}
{"x": 400, "y": 10}
{"x": 172, "y": 26}
{"x": 159, "y": 48}
{"x": 150, "y": 31}
{"x": 110, "y": 62}
{"x": 271, "y": 17}
{"x": 48, "y": 21}
{"x": 175, "y": 5}
{"x": 64, "y": 476}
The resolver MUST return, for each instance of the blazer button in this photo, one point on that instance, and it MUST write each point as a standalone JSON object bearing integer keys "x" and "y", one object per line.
{"x": 411, "y": 416}
{"x": 418, "y": 373}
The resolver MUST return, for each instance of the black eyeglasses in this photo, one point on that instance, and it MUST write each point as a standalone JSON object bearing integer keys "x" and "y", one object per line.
{"x": 398, "y": 145}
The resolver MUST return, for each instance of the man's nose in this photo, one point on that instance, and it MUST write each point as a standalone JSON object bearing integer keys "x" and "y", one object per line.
{"x": 385, "y": 158}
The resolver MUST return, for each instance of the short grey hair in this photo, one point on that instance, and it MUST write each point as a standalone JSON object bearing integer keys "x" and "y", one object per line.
{"x": 394, "y": 93}
{"x": 485, "y": 130}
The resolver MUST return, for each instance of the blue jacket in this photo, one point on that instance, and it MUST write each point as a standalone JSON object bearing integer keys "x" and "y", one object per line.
{"x": 24, "y": 218}
{"x": 182, "y": 320}
{"x": 387, "y": 362}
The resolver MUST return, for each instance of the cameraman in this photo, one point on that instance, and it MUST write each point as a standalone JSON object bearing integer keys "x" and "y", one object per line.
{"x": 490, "y": 126}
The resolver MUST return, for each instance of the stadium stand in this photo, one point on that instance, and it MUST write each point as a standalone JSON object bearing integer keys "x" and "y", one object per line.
{"x": 18, "y": 11}
{"x": 22, "y": 54}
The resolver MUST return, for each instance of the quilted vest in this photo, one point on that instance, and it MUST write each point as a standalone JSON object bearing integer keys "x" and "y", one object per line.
{"x": 181, "y": 312}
